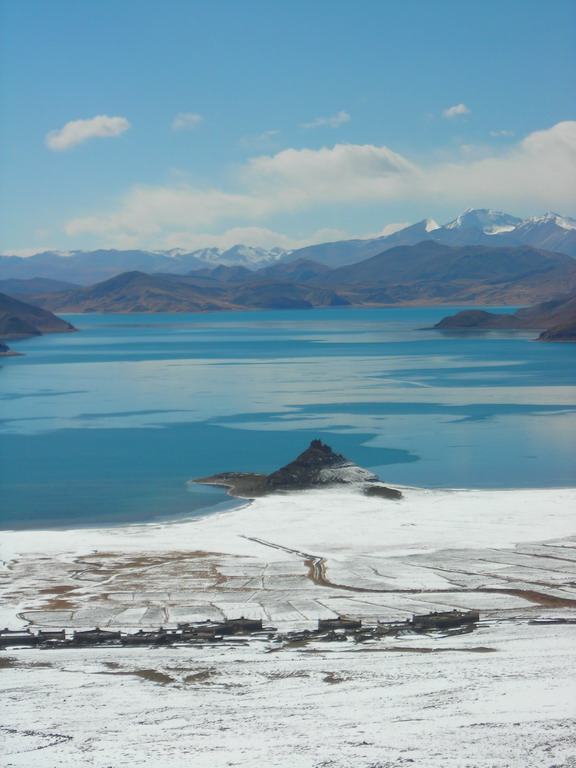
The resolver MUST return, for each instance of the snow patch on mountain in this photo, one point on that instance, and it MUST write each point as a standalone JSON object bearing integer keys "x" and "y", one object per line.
{"x": 488, "y": 221}
{"x": 550, "y": 218}
{"x": 348, "y": 474}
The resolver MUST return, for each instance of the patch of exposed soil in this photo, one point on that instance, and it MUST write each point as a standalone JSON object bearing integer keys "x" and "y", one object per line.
{"x": 152, "y": 675}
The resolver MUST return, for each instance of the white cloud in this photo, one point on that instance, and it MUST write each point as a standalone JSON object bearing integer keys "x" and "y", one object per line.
{"x": 78, "y": 131}
{"x": 254, "y": 236}
{"x": 149, "y": 210}
{"x": 344, "y": 172}
{"x": 502, "y": 133}
{"x": 259, "y": 142}
{"x": 331, "y": 122}
{"x": 536, "y": 173}
{"x": 186, "y": 121}
{"x": 24, "y": 253}
{"x": 457, "y": 109}
{"x": 390, "y": 229}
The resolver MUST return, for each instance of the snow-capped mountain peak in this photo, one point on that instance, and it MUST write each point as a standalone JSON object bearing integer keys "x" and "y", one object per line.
{"x": 247, "y": 255}
{"x": 550, "y": 218}
{"x": 487, "y": 221}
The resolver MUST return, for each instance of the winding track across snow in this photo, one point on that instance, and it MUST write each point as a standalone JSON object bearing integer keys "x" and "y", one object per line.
{"x": 317, "y": 573}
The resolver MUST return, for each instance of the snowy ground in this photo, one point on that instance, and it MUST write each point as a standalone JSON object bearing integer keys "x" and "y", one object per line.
{"x": 499, "y": 696}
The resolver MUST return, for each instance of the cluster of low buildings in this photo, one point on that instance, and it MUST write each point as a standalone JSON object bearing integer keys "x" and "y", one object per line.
{"x": 184, "y": 633}
{"x": 199, "y": 633}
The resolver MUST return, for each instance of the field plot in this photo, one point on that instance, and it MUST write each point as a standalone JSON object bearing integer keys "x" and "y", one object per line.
{"x": 498, "y": 695}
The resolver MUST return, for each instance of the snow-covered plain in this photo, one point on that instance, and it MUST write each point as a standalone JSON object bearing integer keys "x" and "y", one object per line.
{"x": 499, "y": 696}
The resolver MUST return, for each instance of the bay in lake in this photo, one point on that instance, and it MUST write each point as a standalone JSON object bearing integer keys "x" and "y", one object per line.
{"x": 107, "y": 425}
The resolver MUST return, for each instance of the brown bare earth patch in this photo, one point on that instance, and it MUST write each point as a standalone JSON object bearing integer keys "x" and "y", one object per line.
{"x": 197, "y": 564}
{"x": 152, "y": 675}
{"x": 61, "y": 590}
{"x": 60, "y": 605}
{"x": 200, "y": 677}
{"x": 551, "y": 601}
{"x": 145, "y": 560}
{"x": 10, "y": 662}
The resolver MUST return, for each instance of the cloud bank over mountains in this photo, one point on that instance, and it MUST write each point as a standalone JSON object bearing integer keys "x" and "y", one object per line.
{"x": 537, "y": 172}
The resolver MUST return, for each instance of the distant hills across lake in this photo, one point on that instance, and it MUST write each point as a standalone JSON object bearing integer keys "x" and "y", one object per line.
{"x": 426, "y": 273}
{"x": 479, "y": 259}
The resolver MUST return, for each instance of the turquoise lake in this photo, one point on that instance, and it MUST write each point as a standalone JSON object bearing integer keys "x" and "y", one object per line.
{"x": 106, "y": 426}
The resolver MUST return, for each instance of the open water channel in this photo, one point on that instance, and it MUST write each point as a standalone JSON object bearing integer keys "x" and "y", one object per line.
{"x": 106, "y": 426}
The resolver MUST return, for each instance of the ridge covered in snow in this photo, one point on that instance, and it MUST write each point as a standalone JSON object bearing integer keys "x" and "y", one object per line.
{"x": 550, "y": 218}
{"x": 488, "y": 221}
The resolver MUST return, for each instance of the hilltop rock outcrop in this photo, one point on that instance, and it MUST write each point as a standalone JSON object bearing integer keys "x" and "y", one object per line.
{"x": 316, "y": 467}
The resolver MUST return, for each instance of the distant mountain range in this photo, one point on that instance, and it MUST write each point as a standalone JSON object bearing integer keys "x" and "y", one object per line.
{"x": 474, "y": 227}
{"x": 89, "y": 267}
{"x": 481, "y": 227}
{"x": 427, "y": 273}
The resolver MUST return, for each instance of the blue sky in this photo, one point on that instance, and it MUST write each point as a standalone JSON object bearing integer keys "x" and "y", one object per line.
{"x": 188, "y": 123}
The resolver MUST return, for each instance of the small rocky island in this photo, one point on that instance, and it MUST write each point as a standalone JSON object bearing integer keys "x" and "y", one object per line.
{"x": 317, "y": 467}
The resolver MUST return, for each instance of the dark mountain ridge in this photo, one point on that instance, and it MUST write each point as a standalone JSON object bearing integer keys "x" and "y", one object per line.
{"x": 34, "y": 285}
{"x": 430, "y": 260}
{"x": 19, "y": 319}
{"x": 140, "y": 292}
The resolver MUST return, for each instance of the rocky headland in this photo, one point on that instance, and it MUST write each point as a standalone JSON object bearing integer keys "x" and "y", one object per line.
{"x": 19, "y": 320}
{"x": 317, "y": 467}
{"x": 5, "y": 351}
{"x": 556, "y": 319}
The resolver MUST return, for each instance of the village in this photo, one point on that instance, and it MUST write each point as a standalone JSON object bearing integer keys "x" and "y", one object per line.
{"x": 205, "y": 632}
